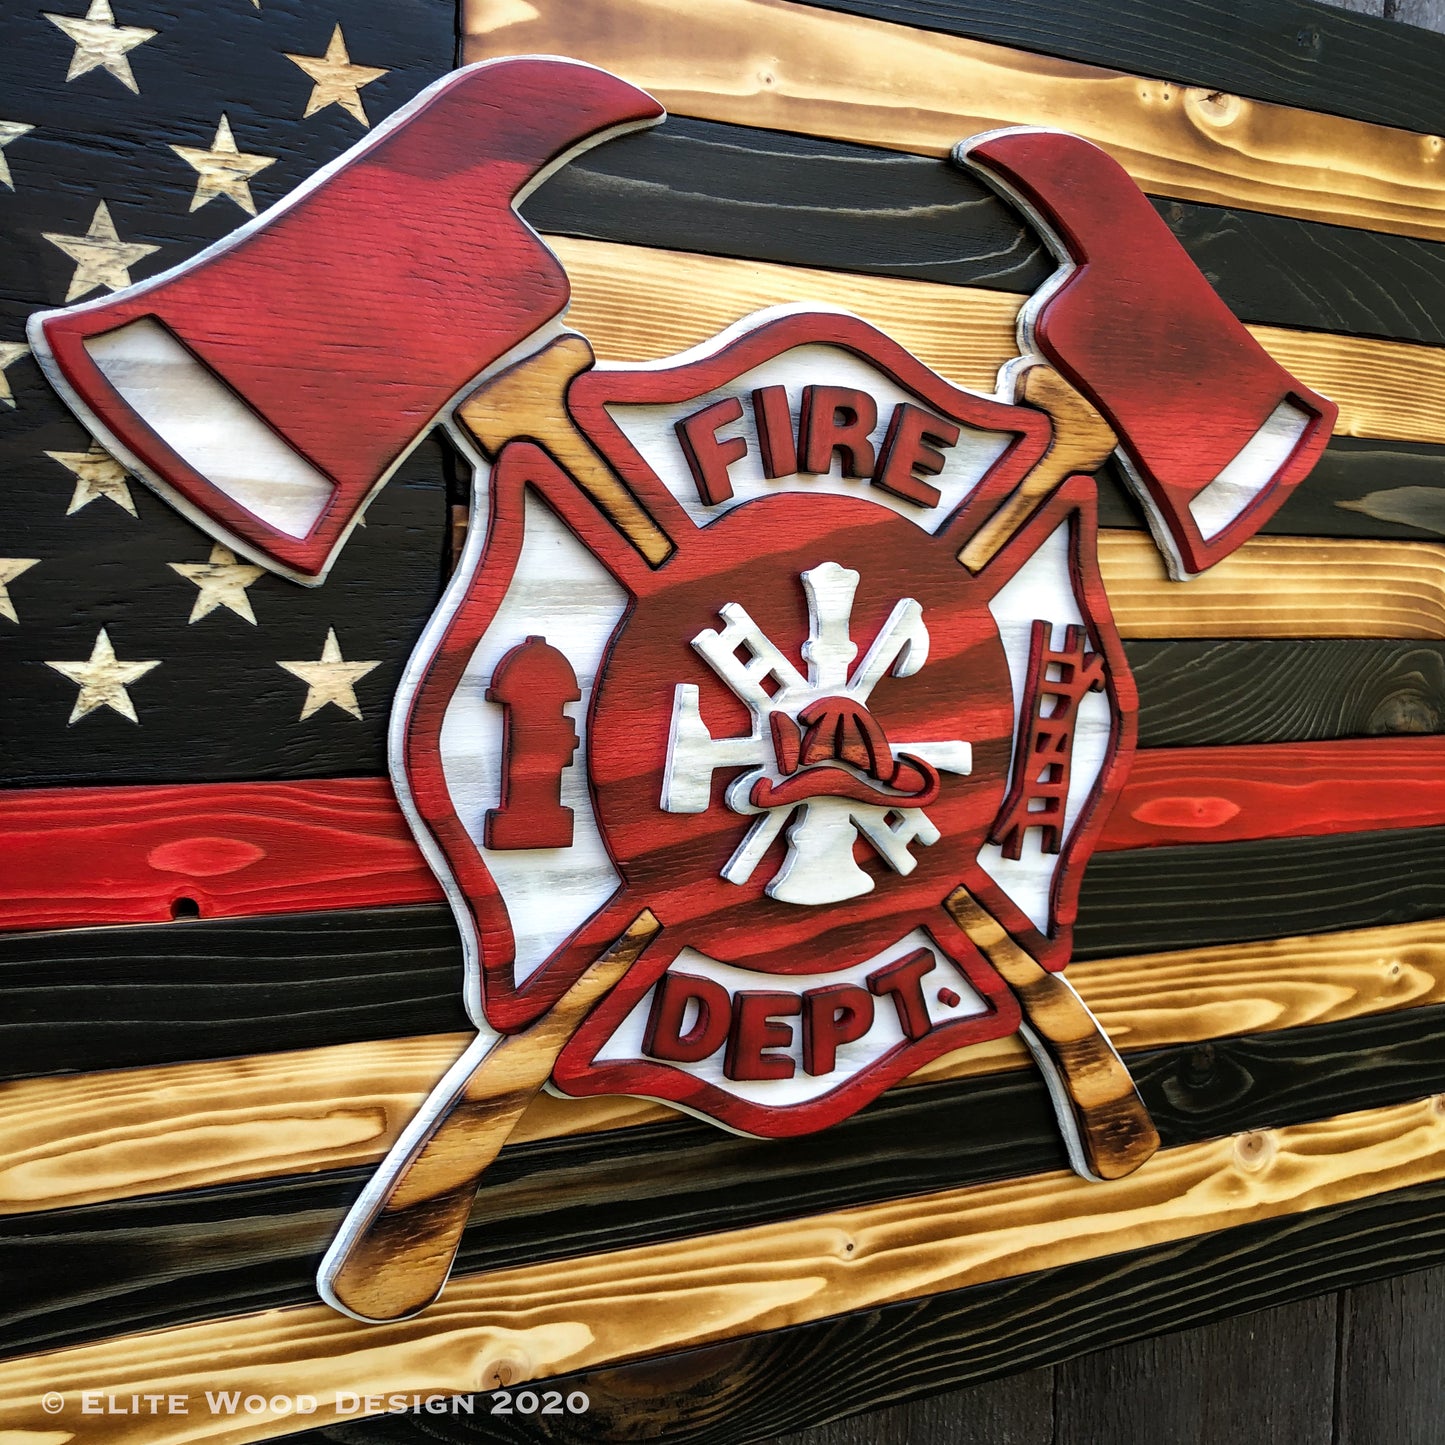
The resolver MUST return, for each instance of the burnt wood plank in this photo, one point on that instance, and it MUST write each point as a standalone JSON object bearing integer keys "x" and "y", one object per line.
{"x": 707, "y": 186}
{"x": 88, "y": 999}
{"x": 1291, "y": 52}
{"x": 1359, "y": 488}
{"x": 1212, "y": 693}
{"x": 138, "y": 1264}
{"x": 1188, "y": 897}
{"x": 763, "y": 1385}
{"x": 111, "y": 998}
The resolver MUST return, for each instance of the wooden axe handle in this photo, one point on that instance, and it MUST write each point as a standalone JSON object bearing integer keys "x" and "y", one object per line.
{"x": 1082, "y": 442}
{"x": 395, "y": 1251}
{"x": 1114, "y": 1132}
{"x": 529, "y": 400}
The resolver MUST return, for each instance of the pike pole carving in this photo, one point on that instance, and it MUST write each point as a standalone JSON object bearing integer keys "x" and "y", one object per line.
{"x": 827, "y": 705}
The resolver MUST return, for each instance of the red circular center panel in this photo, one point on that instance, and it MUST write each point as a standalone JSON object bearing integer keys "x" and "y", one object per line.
{"x": 835, "y": 895}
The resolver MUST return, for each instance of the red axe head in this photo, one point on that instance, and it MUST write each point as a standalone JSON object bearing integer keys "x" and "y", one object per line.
{"x": 1213, "y": 432}
{"x": 270, "y": 385}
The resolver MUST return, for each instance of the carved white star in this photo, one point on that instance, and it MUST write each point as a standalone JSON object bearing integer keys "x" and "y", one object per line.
{"x": 9, "y": 130}
{"x": 10, "y": 353}
{"x": 10, "y": 569}
{"x": 223, "y": 170}
{"x": 336, "y": 81}
{"x": 222, "y": 582}
{"x": 331, "y": 680}
{"x": 97, "y": 474}
{"x": 103, "y": 679}
{"x": 101, "y": 44}
{"x": 101, "y": 257}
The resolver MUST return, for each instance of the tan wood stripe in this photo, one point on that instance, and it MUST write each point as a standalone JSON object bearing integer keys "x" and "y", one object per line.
{"x": 793, "y": 67}
{"x": 638, "y": 303}
{"x": 1280, "y": 587}
{"x": 83, "y": 1138}
{"x": 521, "y": 1324}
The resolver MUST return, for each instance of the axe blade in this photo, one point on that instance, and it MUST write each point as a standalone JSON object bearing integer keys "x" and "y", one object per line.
{"x": 270, "y": 385}
{"x": 1213, "y": 432}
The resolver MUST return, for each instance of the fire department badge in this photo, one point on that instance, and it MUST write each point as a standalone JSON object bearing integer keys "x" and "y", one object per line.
{"x": 764, "y": 730}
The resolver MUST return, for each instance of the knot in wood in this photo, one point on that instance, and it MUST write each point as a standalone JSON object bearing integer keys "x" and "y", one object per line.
{"x": 1213, "y": 107}
{"x": 1256, "y": 1150}
{"x": 1199, "y": 1066}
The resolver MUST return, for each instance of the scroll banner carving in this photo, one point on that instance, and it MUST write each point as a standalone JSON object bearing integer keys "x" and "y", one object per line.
{"x": 775, "y": 706}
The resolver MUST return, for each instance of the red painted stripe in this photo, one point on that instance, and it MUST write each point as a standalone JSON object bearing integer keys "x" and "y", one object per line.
{"x": 75, "y": 856}
{"x": 1278, "y": 790}
{"x": 72, "y": 857}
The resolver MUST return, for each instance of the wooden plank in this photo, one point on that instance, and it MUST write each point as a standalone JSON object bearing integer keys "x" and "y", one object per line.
{"x": 1394, "y": 1323}
{"x": 532, "y": 1321}
{"x": 105, "y": 856}
{"x": 792, "y": 67}
{"x": 1217, "y": 693}
{"x": 127, "y": 855}
{"x": 1018, "y": 1409}
{"x": 693, "y": 185}
{"x": 1281, "y": 50}
{"x": 1221, "y": 795}
{"x": 140, "y": 1263}
{"x": 1360, "y": 488}
{"x": 111, "y": 998}
{"x": 637, "y": 303}
{"x": 1280, "y": 587}
{"x": 1211, "y": 893}
{"x": 756, "y": 1386}
{"x": 1252, "y": 1380}
{"x": 80, "y": 1139}
{"x": 92, "y": 999}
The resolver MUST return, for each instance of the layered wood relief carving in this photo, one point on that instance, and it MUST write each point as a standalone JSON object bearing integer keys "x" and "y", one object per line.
{"x": 803, "y": 739}
{"x": 776, "y": 704}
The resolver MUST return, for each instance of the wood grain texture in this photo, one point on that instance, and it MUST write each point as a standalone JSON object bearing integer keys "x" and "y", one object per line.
{"x": 637, "y": 303}
{"x": 1280, "y": 587}
{"x": 693, "y": 185}
{"x": 1364, "y": 488}
{"x": 1281, "y": 50}
{"x": 1251, "y": 1380}
{"x": 1019, "y": 1410}
{"x": 837, "y": 1367}
{"x": 91, "y": 999}
{"x": 84, "y": 1138}
{"x": 125, "y": 855}
{"x": 792, "y": 67}
{"x": 219, "y": 708}
{"x": 1389, "y": 1368}
{"x": 1225, "y": 794}
{"x": 1215, "y": 693}
{"x": 529, "y": 1322}
{"x": 140, "y": 1263}
{"x": 111, "y": 998}
{"x": 1211, "y": 893}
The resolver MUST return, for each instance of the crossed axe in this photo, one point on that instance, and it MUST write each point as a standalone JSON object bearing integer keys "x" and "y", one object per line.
{"x": 269, "y": 387}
